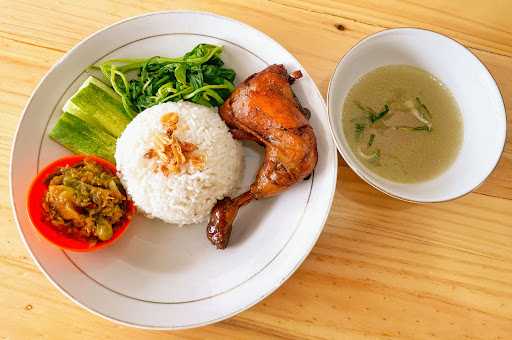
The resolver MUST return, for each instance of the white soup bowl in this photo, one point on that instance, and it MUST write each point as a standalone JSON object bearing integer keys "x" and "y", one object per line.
{"x": 473, "y": 87}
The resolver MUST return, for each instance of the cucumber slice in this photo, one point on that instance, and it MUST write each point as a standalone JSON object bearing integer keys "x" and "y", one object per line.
{"x": 81, "y": 137}
{"x": 99, "y": 106}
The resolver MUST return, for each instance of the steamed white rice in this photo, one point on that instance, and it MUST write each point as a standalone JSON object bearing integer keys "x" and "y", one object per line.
{"x": 186, "y": 197}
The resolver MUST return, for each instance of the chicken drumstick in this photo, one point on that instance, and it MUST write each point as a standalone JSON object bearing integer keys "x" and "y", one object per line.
{"x": 264, "y": 109}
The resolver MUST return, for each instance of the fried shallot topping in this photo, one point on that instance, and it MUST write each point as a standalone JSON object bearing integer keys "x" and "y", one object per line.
{"x": 172, "y": 154}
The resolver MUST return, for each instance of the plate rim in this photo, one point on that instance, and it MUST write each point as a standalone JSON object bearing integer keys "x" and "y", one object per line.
{"x": 331, "y": 147}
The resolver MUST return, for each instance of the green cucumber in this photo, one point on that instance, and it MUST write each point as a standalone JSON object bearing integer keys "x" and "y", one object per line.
{"x": 99, "y": 106}
{"x": 80, "y": 137}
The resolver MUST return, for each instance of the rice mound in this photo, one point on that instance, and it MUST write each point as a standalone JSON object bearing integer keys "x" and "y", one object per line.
{"x": 182, "y": 198}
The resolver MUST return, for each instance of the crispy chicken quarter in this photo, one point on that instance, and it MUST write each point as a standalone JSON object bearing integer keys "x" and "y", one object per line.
{"x": 265, "y": 110}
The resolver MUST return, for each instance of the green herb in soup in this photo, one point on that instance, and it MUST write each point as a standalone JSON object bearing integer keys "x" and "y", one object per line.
{"x": 85, "y": 201}
{"x": 402, "y": 123}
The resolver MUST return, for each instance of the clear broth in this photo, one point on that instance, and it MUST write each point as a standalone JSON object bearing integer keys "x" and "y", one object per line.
{"x": 402, "y": 123}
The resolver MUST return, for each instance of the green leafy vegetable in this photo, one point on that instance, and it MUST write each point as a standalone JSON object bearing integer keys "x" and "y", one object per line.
{"x": 379, "y": 115}
{"x": 376, "y": 157}
{"x": 198, "y": 76}
{"x": 359, "y": 129}
{"x": 371, "y": 114}
{"x": 413, "y": 128}
{"x": 371, "y": 140}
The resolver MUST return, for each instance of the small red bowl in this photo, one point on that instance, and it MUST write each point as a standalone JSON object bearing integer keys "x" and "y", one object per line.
{"x": 35, "y": 210}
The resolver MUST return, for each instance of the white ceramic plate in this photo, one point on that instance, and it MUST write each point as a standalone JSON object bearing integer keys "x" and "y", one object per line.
{"x": 158, "y": 275}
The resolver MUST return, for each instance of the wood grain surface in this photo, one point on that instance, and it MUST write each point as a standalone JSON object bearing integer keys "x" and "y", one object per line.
{"x": 382, "y": 268}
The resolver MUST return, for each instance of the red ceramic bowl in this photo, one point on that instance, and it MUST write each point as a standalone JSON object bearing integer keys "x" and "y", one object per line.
{"x": 35, "y": 197}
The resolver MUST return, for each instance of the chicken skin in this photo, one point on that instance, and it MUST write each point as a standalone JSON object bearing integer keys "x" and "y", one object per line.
{"x": 264, "y": 109}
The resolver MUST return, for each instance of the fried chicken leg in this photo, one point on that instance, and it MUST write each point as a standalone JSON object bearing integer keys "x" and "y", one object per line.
{"x": 264, "y": 109}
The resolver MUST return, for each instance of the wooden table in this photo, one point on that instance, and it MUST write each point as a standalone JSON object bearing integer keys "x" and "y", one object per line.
{"x": 382, "y": 268}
